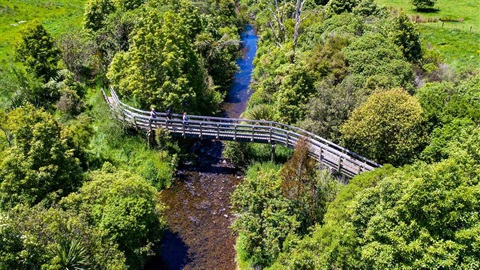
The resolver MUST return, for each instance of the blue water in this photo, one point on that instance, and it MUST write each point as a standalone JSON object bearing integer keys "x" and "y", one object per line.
{"x": 238, "y": 95}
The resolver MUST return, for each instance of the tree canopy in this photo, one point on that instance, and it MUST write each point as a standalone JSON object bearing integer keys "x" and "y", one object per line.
{"x": 124, "y": 207}
{"x": 38, "y": 51}
{"x": 38, "y": 163}
{"x": 161, "y": 66}
{"x": 386, "y": 128}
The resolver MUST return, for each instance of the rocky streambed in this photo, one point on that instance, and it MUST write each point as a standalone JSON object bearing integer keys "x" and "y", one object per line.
{"x": 198, "y": 213}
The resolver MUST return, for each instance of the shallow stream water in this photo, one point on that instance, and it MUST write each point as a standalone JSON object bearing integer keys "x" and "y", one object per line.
{"x": 198, "y": 213}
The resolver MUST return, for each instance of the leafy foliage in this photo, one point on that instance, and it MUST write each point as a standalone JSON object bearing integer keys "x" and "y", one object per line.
{"x": 444, "y": 101}
{"x": 264, "y": 220}
{"x": 162, "y": 68}
{"x": 404, "y": 34}
{"x": 37, "y": 50}
{"x": 423, "y": 4}
{"x": 341, "y": 6}
{"x": 387, "y": 127}
{"x": 52, "y": 238}
{"x": 38, "y": 164}
{"x": 95, "y": 13}
{"x": 374, "y": 62}
{"x": 276, "y": 206}
{"x": 124, "y": 206}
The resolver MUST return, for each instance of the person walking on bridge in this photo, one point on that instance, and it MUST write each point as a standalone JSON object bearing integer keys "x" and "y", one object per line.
{"x": 153, "y": 115}
{"x": 185, "y": 118}
{"x": 169, "y": 114}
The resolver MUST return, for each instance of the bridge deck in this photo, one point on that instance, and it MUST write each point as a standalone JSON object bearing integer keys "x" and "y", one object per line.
{"x": 328, "y": 153}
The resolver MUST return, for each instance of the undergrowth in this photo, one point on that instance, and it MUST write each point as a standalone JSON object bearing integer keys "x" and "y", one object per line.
{"x": 127, "y": 149}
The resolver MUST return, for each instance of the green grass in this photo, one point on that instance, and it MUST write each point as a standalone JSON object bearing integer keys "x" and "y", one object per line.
{"x": 458, "y": 42}
{"x": 461, "y": 49}
{"x": 58, "y": 16}
{"x": 466, "y": 9}
{"x": 128, "y": 152}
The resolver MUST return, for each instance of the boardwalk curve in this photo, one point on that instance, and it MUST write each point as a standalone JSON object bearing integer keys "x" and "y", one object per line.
{"x": 327, "y": 153}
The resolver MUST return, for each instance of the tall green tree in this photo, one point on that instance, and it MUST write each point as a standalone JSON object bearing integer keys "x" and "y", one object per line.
{"x": 294, "y": 91}
{"x": 125, "y": 208}
{"x": 403, "y": 33}
{"x": 38, "y": 51}
{"x": 386, "y": 128}
{"x": 341, "y": 6}
{"x": 423, "y": 4}
{"x": 162, "y": 68}
{"x": 39, "y": 164}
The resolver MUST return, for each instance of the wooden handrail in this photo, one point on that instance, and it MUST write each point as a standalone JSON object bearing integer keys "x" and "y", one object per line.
{"x": 235, "y": 129}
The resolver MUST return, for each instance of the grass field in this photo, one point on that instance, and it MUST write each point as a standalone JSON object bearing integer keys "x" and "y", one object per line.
{"x": 58, "y": 16}
{"x": 459, "y": 41}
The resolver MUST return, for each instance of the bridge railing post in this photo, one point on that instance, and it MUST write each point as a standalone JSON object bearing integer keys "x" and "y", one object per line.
{"x": 253, "y": 133}
{"x": 270, "y": 135}
{"x": 272, "y": 153}
{"x": 218, "y": 131}
{"x": 235, "y": 133}
{"x": 339, "y": 166}
{"x": 201, "y": 134}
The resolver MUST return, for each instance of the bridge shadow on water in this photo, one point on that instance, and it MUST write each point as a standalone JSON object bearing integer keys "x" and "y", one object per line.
{"x": 208, "y": 159}
{"x": 174, "y": 254}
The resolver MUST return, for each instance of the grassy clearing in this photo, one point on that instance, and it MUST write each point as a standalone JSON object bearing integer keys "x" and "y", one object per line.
{"x": 460, "y": 9}
{"x": 459, "y": 42}
{"x": 460, "y": 49}
{"x": 58, "y": 16}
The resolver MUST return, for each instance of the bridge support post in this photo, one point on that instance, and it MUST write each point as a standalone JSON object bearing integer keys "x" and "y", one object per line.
{"x": 151, "y": 137}
{"x": 272, "y": 152}
{"x": 135, "y": 123}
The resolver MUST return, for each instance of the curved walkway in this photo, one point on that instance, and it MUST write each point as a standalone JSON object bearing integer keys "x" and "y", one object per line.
{"x": 329, "y": 154}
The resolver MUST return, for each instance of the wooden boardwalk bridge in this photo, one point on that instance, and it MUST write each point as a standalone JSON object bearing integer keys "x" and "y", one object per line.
{"x": 329, "y": 154}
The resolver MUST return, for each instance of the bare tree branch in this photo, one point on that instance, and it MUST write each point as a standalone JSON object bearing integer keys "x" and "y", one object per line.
{"x": 298, "y": 21}
{"x": 275, "y": 35}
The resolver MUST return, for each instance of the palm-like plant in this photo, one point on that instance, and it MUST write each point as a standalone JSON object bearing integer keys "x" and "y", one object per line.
{"x": 71, "y": 254}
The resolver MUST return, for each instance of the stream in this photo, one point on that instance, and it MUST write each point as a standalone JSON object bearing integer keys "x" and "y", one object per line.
{"x": 198, "y": 213}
